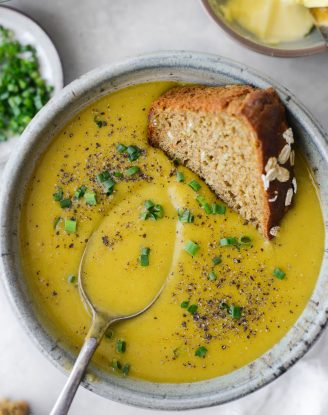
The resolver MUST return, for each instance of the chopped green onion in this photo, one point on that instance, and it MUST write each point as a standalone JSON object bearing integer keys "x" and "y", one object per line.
{"x": 144, "y": 257}
{"x": 58, "y": 195}
{"x": 201, "y": 351}
{"x": 65, "y": 203}
{"x": 117, "y": 174}
{"x": 56, "y": 221}
{"x": 106, "y": 181}
{"x": 279, "y": 273}
{"x": 184, "y": 304}
{"x": 180, "y": 176}
{"x": 116, "y": 364}
{"x": 212, "y": 276}
{"x": 185, "y": 216}
{"x": 217, "y": 260}
{"x": 72, "y": 279}
{"x": 225, "y": 306}
{"x": 218, "y": 209}
{"x": 202, "y": 202}
{"x": 152, "y": 211}
{"x": 108, "y": 186}
{"x": 244, "y": 241}
{"x": 90, "y": 198}
{"x": 149, "y": 204}
{"x": 194, "y": 185}
{"x": 99, "y": 123}
{"x": 126, "y": 369}
{"x": 132, "y": 170}
{"x": 121, "y": 148}
{"x": 109, "y": 334}
{"x": 120, "y": 346}
{"x": 134, "y": 153}
{"x": 228, "y": 241}
{"x": 145, "y": 251}
{"x": 103, "y": 176}
{"x": 79, "y": 192}
{"x": 70, "y": 225}
{"x": 23, "y": 91}
{"x": 235, "y": 311}
{"x": 192, "y": 309}
{"x": 191, "y": 247}
{"x": 207, "y": 208}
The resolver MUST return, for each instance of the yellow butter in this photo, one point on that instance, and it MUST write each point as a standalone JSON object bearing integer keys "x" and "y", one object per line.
{"x": 272, "y": 21}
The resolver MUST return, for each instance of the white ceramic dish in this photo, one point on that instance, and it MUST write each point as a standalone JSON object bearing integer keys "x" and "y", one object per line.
{"x": 28, "y": 31}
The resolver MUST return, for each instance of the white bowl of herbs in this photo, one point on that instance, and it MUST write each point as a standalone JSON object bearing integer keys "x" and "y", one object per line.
{"x": 30, "y": 73}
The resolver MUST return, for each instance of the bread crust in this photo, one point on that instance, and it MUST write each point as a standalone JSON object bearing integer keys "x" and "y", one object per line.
{"x": 264, "y": 114}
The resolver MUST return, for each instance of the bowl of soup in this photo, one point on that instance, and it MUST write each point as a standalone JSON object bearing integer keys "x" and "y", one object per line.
{"x": 226, "y": 323}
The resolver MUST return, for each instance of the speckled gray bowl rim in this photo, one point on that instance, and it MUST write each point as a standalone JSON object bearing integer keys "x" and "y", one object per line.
{"x": 182, "y": 66}
{"x": 260, "y": 48}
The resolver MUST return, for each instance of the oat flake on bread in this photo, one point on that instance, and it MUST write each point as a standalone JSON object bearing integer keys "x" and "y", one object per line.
{"x": 237, "y": 139}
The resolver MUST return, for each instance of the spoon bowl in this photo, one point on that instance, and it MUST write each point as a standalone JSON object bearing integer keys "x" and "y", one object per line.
{"x": 101, "y": 320}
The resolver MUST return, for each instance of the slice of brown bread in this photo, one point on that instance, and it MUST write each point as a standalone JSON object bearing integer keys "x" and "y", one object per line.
{"x": 237, "y": 139}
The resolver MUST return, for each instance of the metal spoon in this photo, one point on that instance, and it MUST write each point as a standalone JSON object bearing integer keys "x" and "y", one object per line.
{"x": 100, "y": 323}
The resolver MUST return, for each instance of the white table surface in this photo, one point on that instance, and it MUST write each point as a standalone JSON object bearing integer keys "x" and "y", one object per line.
{"x": 89, "y": 33}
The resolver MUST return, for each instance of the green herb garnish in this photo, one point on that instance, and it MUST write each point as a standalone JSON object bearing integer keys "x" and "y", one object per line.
{"x": 184, "y": 304}
{"x": 90, "y": 198}
{"x": 191, "y": 247}
{"x": 194, "y": 185}
{"x": 126, "y": 369}
{"x": 106, "y": 181}
{"x": 229, "y": 241}
{"x": 56, "y": 221}
{"x": 244, "y": 241}
{"x": 279, "y": 273}
{"x": 201, "y": 351}
{"x": 152, "y": 211}
{"x": 144, "y": 257}
{"x": 192, "y": 309}
{"x": 72, "y": 279}
{"x": 180, "y": 177}
{"x": 109, "y": 334}
{"x": 235, "y": 311}
{"x": 202, "y": 202}
{"x": 132, "y": 170}
{"x": 217, "y": 260}
{"x": 218, "y": 209}
{"x": 58, "y": 195}
{"x": 133, "y": 152}
{"x": 65, "y": 203}
{"x": 70, "y": 225}
{"x": 79, "y": 192}
{"x": 121, "y": 148}
{"x": 185, "y": 216}
{"x": 23, "y": 92}
{"x": 120, "y": 346}
{"x": 117, "y": 174}
{"x": 212, "y": 276}
{"x": 116, "y": 364}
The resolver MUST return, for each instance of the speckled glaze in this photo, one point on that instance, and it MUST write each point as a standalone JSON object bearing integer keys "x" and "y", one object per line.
{"x": 177, "y": 66}
{"x": 311, "y": 44}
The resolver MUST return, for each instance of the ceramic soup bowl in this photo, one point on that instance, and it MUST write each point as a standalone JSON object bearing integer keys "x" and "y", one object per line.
{"x": 184, "y": 67}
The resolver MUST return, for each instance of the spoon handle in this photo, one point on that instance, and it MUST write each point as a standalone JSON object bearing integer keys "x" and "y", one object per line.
{"x": 66, "y": 396}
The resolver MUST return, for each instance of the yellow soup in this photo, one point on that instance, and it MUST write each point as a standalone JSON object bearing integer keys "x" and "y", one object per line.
{"x": 211, "y": 318}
